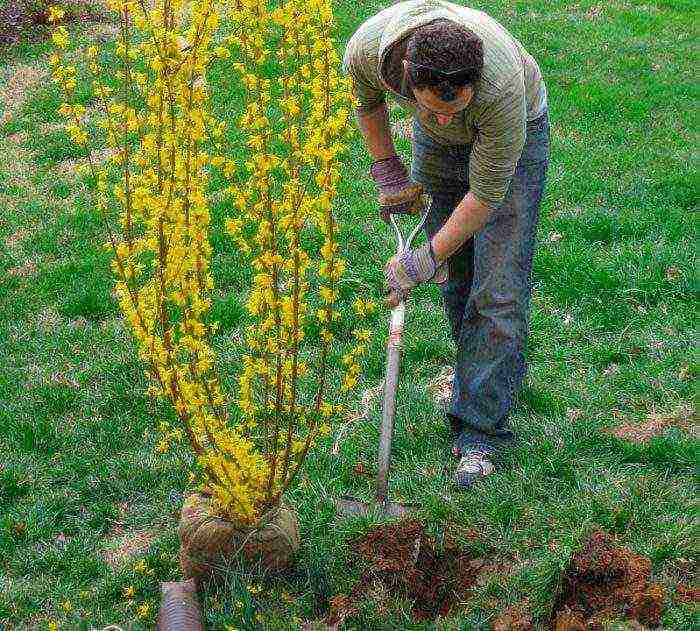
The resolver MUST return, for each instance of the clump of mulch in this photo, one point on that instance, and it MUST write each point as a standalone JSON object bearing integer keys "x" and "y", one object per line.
{"x": 401, "y": 560}
{"x": 604, "y": 582}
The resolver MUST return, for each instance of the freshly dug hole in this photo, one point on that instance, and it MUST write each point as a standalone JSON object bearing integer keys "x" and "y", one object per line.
{"x": 403, "y": 561}
{"x": 606, "y": 582}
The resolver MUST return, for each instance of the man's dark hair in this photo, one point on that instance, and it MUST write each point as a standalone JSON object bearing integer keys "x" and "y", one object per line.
{"x": 444, "y": 56}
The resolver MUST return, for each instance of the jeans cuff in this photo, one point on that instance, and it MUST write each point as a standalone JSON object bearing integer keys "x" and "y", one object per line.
{"x": 472, "y": 437}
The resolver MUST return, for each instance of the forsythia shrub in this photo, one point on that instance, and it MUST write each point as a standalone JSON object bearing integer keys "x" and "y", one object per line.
{"x": 155, "y": 113}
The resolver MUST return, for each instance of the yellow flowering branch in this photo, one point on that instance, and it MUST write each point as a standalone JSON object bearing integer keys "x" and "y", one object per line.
{"x": 166, "y": 140}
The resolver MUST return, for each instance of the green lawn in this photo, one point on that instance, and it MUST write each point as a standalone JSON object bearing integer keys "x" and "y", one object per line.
{"x": 84, "y": 500}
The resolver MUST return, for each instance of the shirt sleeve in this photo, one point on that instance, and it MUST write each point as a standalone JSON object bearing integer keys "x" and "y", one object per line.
{"x": 358, "y": 67}
{"x": 498, "y": 144}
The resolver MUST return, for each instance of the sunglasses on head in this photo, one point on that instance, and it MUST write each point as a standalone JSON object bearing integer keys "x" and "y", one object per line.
{"x": 442, "y": 73}
{"x": 447, "y": 95}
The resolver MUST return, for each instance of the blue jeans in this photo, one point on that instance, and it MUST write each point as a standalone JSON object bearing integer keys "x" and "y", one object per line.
{"x": 487, "y": 294}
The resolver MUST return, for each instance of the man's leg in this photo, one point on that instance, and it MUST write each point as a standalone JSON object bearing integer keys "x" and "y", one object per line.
{"x": 490, "y": 358}
{"x": 455, "y": 291}
{"x": 443, "y": 171}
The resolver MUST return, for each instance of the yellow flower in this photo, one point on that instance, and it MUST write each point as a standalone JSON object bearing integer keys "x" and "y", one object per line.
{"x": 67, "y": 606}
{"x": 326, "y": 409}
{"x": 56, "y": 13}
{"x": 362, "y": 334}
{"x": 53, "y": 625}
{"x": 140, "y": 566}
{"x": 363, "y": 307}
{"x": 327, "y": 294}
{"x": 143, "y": 610}
{"x": 349, "y": 382}
{"x": 129, "y": 591}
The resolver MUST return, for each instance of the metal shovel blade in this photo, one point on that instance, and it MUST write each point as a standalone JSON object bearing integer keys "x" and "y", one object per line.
{"x": 350, "y": 507}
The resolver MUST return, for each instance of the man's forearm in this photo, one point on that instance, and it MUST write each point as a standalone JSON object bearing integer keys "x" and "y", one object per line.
{"x": 467, "y": 218}
{"x": 377, "y": 133}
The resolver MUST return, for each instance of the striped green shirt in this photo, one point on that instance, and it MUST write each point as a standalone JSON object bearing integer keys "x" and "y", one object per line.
{"x": 510, "y": 92}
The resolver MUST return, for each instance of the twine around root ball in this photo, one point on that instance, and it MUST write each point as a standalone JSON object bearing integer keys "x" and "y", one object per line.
{"x": 209, "y": 543}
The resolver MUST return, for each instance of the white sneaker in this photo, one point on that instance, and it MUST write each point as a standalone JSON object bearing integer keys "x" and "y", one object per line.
{"x": 474, "y": 464}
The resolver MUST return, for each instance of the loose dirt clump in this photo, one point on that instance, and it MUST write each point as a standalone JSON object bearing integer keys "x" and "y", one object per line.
{"x": 15, "y": 238}
{"x": 606, "y": 582}
{"x": 514, "y": 618}
{"x": 401, "y": 560}
{"x": 27, "y": 269}
{"x": 687, "y": 594}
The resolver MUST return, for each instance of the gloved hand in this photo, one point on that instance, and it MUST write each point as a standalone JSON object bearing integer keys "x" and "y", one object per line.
{"x": 398, "y": 194}
{"x": 405, "y": 271}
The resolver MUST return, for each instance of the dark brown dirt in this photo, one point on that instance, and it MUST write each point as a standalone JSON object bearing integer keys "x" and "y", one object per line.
{"x": 515, "y": 618}
{"x": 400, "y": 559}
{"x": 606, "y": 582}
{"x": 687, "y": 594}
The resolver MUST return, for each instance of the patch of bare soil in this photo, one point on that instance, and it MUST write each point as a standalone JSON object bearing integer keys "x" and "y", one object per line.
{"x": 656, "y": 424}
{"x": 401, "y": 560}
{"x": 20, "y": 79}
{"x": 98, "y": 156}
{"x": 15, "y": 239}
{"x": 605, "y": 582}
{"x": 26, "y": 270}
{"x": 125, "y": 545}
{"x": 24, "y": 20}
{"x": 102, "y": 32}
{"x": 441, "y": 386}
{"x": 687, "y": 594}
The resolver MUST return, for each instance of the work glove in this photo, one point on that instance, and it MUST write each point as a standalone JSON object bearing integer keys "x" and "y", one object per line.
{"x": 403, "y": 272}
{"x": 398, "y": 194}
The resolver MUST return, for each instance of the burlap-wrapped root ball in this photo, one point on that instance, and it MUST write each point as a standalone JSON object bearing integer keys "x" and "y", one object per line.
{"x": 208, "y": 544}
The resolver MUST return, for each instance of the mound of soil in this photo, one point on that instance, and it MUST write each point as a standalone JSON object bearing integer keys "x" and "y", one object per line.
{"x": 401, "y": 560}
{"x": 606, "y": 582}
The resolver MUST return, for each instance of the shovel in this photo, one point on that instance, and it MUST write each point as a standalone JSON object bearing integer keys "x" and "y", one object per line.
{"x": 348, "y": 505}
